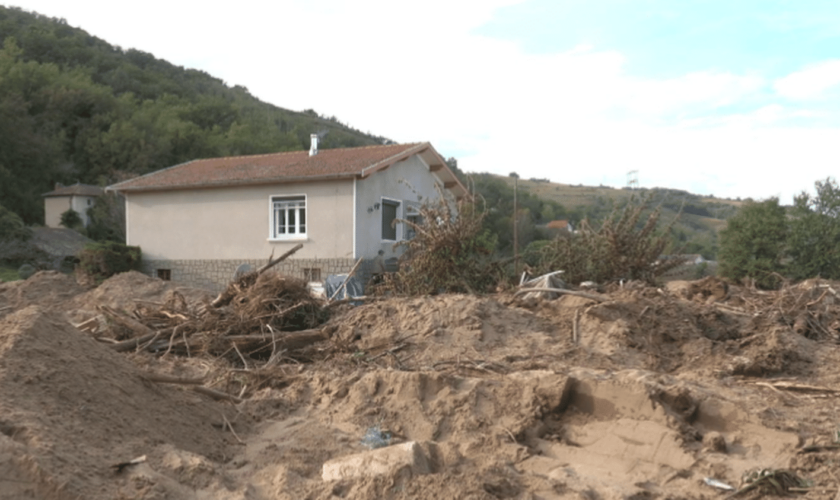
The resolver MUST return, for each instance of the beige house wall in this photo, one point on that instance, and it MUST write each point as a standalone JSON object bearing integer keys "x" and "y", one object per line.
{"x": 409, "y": 182}
{"x": 233, "y": 223}
{"x": 54, "y": 206}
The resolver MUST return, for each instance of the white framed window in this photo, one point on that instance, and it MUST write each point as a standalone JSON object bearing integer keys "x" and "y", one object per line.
{"x": 390, "y": 212}
{"x": 288, "y": 217}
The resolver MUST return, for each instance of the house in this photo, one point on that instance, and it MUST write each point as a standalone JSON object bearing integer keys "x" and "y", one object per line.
{"x": 78, "y": 197}
{"x": 557, "y": 227}
{"x": 199, "y": 221}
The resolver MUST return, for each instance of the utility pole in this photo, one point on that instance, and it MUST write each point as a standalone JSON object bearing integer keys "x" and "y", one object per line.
{"x": 515, "y": 225}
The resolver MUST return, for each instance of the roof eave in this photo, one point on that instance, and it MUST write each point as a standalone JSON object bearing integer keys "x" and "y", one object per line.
{"x": 245, "y": 182}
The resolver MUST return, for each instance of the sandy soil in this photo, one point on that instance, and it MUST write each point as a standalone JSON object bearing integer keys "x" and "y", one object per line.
{"x": 645, "y": 394}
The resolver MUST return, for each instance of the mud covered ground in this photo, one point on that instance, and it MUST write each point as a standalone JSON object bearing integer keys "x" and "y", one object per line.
{"x": 644, "y": 393}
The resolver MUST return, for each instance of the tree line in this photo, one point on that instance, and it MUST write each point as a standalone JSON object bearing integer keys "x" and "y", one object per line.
{"x": 769, "y": 243}
{"x": 74, "y": 108}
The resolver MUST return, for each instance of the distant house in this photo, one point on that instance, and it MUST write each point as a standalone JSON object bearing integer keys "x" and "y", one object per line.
{"x": 557, "y": 226}
{"x": 78, "y": 197}
{"x": 197, "y": 222}
{"x": 692, "y": 258}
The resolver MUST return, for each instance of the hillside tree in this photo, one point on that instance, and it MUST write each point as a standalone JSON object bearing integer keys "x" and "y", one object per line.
{"x": 814, "y": 234}
{"x": 753, "y": 243}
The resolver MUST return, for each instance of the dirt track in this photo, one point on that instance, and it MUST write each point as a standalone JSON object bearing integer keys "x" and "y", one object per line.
{"x": 643, "y": 395}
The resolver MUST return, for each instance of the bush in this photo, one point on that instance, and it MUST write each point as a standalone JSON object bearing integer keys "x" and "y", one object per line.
{"x": 621, "y": 248}
{"x": 71, "y": 219}
{"x": 105, "y": 259}
{"x": 12, "y": 227}
{"x": 450, "y": 251}
{"x": 25, "y": 271}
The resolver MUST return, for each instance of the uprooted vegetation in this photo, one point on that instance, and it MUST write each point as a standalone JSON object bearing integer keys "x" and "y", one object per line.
{"x": 450, "y": 251}
{"x": 633, "y": 391}
{"x": 622, "y": 248}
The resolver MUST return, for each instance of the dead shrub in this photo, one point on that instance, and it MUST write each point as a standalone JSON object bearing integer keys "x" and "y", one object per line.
{"x": 450, "y": 251}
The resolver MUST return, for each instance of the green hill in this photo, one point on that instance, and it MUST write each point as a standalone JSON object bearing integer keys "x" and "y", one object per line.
{"x": 540, "y": 201}
{"x": 75, "y": 108}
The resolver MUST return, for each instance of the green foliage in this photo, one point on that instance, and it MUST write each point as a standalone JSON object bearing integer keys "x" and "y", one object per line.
{"x": 814, "y": 234}
{"x": 71, "y": 219}
{"x": 107, "y": 218}
{"x": 8, "y": 273}
{"x": 531, "y": 211}
{"x": 11, "y": 226}
{"x": 75, "y": 108}
{"x": 623, "y": 247}
{"x": 753, "y": 243}
{"x": 26, "y": 271}
{"x": 450, "y": 251}
{"x": 104, "y": 259}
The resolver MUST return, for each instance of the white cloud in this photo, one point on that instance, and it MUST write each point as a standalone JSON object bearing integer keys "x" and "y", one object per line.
{"x": 811, "y": 82}
{"x": 415, "y": 72}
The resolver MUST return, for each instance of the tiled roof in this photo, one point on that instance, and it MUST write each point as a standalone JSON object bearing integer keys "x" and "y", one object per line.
{"x": 278, "y": 167}
{"x": 558, "y": 224}
{"x": 76, "y": 190}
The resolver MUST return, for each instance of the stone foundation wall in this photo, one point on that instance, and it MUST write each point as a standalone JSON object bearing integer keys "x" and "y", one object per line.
{"x": 216, "y": 274}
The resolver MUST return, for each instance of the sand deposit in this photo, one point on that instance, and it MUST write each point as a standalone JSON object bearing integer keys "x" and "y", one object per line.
{"x": 647, "y": 393}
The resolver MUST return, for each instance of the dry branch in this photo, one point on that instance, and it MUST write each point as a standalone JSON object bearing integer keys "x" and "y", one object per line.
{"x": 349, "y": 275}
{"x": 236, "y": 287}
{"x": 793, "y": 386}
{"x": 272, "y": 263}
{"x": 165, "y": 379}
{"x": 137, "y": 327}
{"x": 289, "y": 341}
{"x": 562, "y": 291}
{"x": 213, "y": 393}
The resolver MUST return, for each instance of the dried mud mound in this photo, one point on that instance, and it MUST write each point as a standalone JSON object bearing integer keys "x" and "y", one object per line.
{"x": 49, "y": 289}
{"x": 125, "y": 290}
{"x": 447, "y": 329}
{"x": 527, "y": 434}
{"x": 70, "y": 408}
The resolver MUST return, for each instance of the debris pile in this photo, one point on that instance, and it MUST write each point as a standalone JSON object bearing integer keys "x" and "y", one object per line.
{"x": 622, "y": 391}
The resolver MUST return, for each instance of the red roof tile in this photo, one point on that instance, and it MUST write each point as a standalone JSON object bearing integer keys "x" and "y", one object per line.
{"x": 276, "y": 167}
{"x": 558, "y": 224}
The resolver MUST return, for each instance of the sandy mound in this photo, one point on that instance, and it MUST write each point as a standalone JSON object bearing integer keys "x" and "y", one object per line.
{"x": 644, "y": 393}
{"x": 71, "y": 408}
{"x": 124, "y": 291}
{"x": 49, "y": 289}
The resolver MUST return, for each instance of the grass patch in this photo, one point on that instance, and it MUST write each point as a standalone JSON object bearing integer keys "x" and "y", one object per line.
{"x": 8, "y": 273}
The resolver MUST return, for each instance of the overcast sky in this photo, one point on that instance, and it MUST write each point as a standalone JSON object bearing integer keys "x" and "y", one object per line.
{"x": 731, "y": 98}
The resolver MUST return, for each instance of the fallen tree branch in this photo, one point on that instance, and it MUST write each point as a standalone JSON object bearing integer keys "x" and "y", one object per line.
{"x": 165, "y": 379}
{"x": 127, "y": 345}
{"x": 272, "y": 263}
{"x": 222, "y": 396}
{"x": 792, "y": 386}
{"x": 288, "y": 341}
{"x": 235, "y": 287}
{"x": 563, "y": 292}
{"x": 349, "y": 275}
{"x": 130, "y": 323}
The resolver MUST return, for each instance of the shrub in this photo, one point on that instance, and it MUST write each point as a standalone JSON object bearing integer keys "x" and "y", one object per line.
{"x": 104, "y": 259}
{"x": 71, "y": 219}
{"x": 12, "y": 227}
{"x": 622, "y": 248}
{"x": 450, "y": 251}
